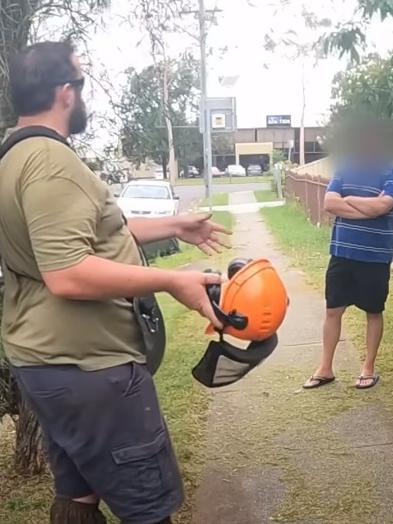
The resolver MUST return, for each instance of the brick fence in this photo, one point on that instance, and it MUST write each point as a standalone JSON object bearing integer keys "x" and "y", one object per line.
{"x": 309, "y": 191}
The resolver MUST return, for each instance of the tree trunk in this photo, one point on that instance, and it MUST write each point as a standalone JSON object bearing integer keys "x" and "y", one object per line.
{"x": 302, "y": 156}
{"x": 164, "y": 167}
{"x": 30, "y": 457}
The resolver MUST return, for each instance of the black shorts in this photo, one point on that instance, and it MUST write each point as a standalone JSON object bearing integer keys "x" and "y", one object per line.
{"x": 106, "y": 435}
{"x": 361, "y": 284}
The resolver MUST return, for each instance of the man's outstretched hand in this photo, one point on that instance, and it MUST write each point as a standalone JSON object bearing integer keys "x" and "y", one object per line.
{"x": 199, "y": 230}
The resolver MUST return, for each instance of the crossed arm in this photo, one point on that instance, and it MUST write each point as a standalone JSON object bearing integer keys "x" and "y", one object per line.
{"x": 357, "y": 207}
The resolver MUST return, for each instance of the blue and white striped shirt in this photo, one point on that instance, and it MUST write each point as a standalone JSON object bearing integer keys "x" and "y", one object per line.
{"x": 365, "y": 240}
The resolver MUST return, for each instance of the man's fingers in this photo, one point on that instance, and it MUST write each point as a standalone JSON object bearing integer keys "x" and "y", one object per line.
{"x": 221, "y": 229}
{"x": 212, "y": 278}
{"x": 203, "y": 217}
{"x": 220, "y": 241}
{"x": 206, "y": 249}
{"x": 215, "y": 246}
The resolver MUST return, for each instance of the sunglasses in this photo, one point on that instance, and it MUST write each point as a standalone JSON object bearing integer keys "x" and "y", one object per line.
{"x": 78, "y": 83}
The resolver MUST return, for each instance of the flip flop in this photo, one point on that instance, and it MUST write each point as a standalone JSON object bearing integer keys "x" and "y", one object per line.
{"x": 374, "y": 381}
{"x": 318, "y": 382}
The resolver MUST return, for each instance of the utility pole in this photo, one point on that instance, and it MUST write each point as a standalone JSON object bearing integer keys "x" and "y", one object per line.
{"x": 205, "y": 114}
{"x": 205, "y": 110}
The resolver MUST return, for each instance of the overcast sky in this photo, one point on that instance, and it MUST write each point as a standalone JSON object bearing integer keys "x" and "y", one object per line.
{"x": 268, "y": 83}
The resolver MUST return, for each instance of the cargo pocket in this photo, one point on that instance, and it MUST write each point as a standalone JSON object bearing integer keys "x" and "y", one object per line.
{"x": 148, "y": 470}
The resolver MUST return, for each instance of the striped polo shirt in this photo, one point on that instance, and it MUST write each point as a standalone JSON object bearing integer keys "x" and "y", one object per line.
{"x": 364, "y": 240}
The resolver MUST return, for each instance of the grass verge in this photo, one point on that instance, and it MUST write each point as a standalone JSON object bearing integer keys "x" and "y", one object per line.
{"x": 265, "y": 196}
{"x": 218, "y": 199}
{"x": 26, "y": 500}
{"x": 344, "y": 493}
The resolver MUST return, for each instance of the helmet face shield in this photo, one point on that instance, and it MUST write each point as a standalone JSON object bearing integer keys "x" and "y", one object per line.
{"x": 224, "y": 364}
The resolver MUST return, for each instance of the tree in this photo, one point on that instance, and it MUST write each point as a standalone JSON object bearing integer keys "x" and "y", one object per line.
{"x": 362, "y": 102}
{"x": 349, "y": 38}
{"x": 160, "y": 18}
{"x": 223, "y": 144}
{"x": 365, "y": 90}
{"x": 23, "y": 22}
{"x": 144, "y": 133}
{"x": 300, "y": 47}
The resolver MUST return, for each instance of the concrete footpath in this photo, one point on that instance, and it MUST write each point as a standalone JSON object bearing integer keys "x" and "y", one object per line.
{"x": 277, "y": 453}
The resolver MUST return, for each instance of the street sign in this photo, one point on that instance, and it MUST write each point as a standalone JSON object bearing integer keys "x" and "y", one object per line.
{"x": 278, "y": 121}
{"x": 222, "y": 113}
{"x": 219, "y": 121}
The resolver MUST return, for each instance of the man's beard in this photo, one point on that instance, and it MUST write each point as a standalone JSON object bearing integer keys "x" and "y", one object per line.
{"x": 78, "y": 118}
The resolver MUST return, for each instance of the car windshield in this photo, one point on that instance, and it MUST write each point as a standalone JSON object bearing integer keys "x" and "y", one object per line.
{"x": 148, "y": 191}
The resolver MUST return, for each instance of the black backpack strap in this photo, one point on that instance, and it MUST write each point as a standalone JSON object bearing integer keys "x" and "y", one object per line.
{"x": 30, "y": 132}
{"x": 23, "y": 134}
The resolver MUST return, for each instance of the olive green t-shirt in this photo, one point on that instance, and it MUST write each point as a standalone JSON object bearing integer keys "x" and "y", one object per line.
{"x": 54, "y": 212}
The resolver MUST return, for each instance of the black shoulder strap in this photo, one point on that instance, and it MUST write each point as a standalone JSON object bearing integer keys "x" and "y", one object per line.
{"x": 23, "y": 134}
{"x": 30, "y": 132}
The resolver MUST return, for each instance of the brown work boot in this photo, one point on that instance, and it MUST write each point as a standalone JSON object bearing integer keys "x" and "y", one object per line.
{"x": 67, "y": 511}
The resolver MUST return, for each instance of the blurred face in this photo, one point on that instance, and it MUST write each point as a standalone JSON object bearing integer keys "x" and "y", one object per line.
{"x": 78, "y": 115}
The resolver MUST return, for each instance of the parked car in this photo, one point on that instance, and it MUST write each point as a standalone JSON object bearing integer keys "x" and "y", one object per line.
{"x": 190, "y": 172}
{"x": 114, "y": 178}
{"x": 235, "y": 170}
{"x": 149, "y": 198}
{"x": 216, "y": 171}
{"x": 254, "y": 170}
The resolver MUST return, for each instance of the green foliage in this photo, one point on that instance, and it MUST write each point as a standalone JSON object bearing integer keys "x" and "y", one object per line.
{"x": 144, "y": 135}
{"x": 278, "y": 156}
{"x": 347, "y": 40}
{"x": 350, "y": 38}
{"x": 366, "y": 89}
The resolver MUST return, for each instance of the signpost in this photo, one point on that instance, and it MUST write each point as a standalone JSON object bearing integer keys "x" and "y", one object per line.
{"x": 218, "y": 115}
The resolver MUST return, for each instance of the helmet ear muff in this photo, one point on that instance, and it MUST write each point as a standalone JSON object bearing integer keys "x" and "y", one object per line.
{"x": 213, "y": 290}
{"x": 236, "y": 265}
{"x": 214, "y": 293}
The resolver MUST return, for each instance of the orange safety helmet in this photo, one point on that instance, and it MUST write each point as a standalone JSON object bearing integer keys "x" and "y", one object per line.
{"x": 253, "y": 303}
{"x": 251, "y": 306}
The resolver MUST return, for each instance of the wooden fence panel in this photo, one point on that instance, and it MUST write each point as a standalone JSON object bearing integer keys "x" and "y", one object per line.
{"x": 309, "y": 192}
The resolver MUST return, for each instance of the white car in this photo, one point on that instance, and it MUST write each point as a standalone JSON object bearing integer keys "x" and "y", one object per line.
{"x": 149, "y": 198}
{"x": 235, "y": 170}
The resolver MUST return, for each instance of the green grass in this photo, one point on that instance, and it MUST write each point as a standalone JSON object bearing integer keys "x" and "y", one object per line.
{"x": 225, "y": 180}
{"x": 265, "y": 196}
{"x": 218, "y": 199}
{"x": 307, "y": 245}
{"x": 345, "y": 493}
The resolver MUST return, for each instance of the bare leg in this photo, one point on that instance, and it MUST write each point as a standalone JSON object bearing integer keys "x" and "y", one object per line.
{"x": 374, "y": 337}
{"x": 83, "y": 510}
{"x": 90, "y": 499}
{"x": 331, "y": 337}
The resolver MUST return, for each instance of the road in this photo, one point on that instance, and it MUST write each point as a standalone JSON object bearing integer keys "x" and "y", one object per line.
{"x": 190, "y": 194}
